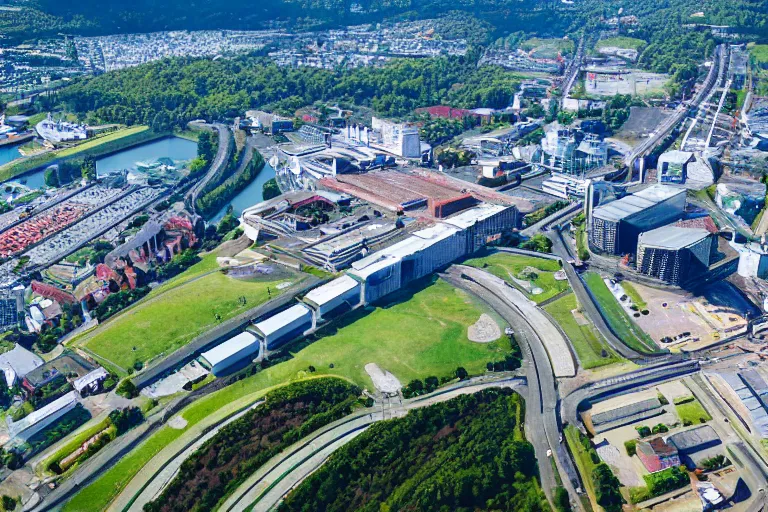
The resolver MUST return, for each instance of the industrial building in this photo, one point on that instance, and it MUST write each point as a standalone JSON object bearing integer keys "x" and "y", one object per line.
{"x": 236, "y": 349}
{"x": 426, "y": 250}
{"x": 695, "y": 445}
{"x": 338, "y": 252}
{"x": 656, "y": 455}
{"x": 755, "y": 405}
{"x": 341, "y": 294}
{"x": 615, "y": 227}
{"x": 284, "y": 326}
{"x": 18, "y": 362}
{"x": 673, "y": 166}
{"x": 626, "y": 414}
{"x": 34, "y": 422}
{"x": 674, "y": 254}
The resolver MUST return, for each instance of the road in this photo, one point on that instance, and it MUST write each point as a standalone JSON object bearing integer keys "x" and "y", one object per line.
{"x": 649, "y": 144}
{"x": 219, "y": 161}
{"x": 566, "y": 213}
{"x": 572, "y": 72}
{"x": 589, "y": 305}
{"x": 542, "y": 400}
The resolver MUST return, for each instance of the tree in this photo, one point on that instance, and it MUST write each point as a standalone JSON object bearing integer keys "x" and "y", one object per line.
{"x": 205, "y": 146}
{"x": 562, "y": 501}
{"x": 88, "y": 168}
{"x": 127, "y": 389}
{"x": 51, "y": 177}
{"x": 8, "y": 503}
{"x": 270, "y": 189}
{"x": 461, "y": 373}
{"x": 538, "y": 243}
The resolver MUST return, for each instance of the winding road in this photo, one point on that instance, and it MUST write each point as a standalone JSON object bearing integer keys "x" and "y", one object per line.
{"x": 219, "y": 161}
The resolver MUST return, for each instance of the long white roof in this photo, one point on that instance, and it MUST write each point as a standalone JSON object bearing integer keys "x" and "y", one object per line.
{"x": 41, "y": 414}
{"x": 280, "y": 320}
{"x": 230, "y": 347}
{"x": 635, "y": 203}
{"x": 468, "y": 218}
{"x": 329, "y": 291}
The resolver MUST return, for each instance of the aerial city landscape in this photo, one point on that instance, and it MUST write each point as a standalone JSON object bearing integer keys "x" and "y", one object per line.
{"x": 412, "y": 255}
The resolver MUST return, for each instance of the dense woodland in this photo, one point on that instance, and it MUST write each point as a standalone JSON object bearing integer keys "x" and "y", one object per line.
{"x": 223, "y": 463}
{"x": 173, "y": 92}
{"x": 467, "y": 454}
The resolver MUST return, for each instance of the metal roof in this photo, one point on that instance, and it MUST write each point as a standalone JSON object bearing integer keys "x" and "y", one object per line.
{"x": 230, "y": 347}
{"x": 672, "y": 237}
{"x": 329, "y": 291}
{"x": 468, "y": 218}
{"x": 693, "y": 439}
{"x": 282, "y": 319}
{"x": 676, "y": 157}
{"x": 635, "y": 203}
{"x": 41, "y": 414}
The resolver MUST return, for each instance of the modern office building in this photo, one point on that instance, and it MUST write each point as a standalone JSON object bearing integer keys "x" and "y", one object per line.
{"x": 284, "y": 326}
{"x": 615, "y": 227}
{"x": 674, "y": 254}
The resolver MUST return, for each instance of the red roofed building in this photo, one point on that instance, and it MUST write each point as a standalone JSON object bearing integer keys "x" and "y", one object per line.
{"x": 704, "y": 222}
{"x": 106, "y": 274}
{"x": 445, "y": 112}
{"x": 657, "y": 455}
{"x": 51, "y": 292}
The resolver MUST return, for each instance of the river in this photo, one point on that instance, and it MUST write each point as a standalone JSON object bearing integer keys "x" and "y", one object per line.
{"x": 8, "y": 153}
{"x": 249, "y": 196}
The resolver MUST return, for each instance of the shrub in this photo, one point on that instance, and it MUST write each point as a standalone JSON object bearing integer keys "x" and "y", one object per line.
{"x": 127, "y": 389}
{"x": 631, "y": 447}
{"x": 644, "y": 431}
{"x": 662, "y": 399}
{"x": 660, "y": 429}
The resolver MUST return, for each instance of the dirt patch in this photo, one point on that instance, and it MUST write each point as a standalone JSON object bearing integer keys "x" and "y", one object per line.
{"x": 178, "y": 423}
{"x": 383, "y": 380}
{"x": 230, "y": 248}
{"x": 485, "y": 330}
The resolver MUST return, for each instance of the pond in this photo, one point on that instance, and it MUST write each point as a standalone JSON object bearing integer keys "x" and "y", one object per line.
{"x": 249, "y": 196}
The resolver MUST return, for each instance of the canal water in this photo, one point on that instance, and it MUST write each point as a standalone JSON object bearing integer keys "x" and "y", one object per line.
{"x": 249, "y": 196}
{"x": 8, "y": 153}
{"x": 174, "y": 148}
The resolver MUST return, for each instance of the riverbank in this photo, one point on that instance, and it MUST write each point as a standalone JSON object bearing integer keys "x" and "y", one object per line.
{"x": 97, "y": 147}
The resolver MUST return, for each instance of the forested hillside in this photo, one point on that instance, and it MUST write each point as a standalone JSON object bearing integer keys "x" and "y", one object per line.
{"x": 180, "y": 90}
{"x": 467, "y": 454}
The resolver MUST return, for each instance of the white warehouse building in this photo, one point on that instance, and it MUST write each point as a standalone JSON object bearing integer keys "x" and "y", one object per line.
{"x": 285, "y": 326}
{"x": 234, "y": 350}
{"x": 36, "y": 421}
{"x": 333, "y": 296}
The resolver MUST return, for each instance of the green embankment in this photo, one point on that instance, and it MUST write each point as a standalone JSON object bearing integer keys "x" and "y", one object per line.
{"x": 590, "y": 347}
{"x": 630, "y": 43}
{"x": 419, "y": 333}
{"x": 97, "y": 146}
{"x": 509, "y": 267}
{"x": 619, "y": 321}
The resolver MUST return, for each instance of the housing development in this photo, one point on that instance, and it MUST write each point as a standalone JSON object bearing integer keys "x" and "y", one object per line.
{"x": 362, "y": 257}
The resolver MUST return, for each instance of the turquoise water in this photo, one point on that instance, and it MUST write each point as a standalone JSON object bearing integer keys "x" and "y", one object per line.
{"x": 249, "y": 196}
{"x": 9, "y": 153}
{"x": 174, "y": 148}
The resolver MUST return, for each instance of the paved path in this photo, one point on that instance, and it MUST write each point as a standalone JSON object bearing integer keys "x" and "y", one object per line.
{"x": 219, "y": 161}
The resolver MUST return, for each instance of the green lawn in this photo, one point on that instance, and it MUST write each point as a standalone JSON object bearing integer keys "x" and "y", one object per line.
{"x": 412, "y": 337}
{"x": 586, "y": 341}
{"x": 506, "y": 265}
{"x": 85, "y": 432}
{"x": 617, "y": 318}
{"x": 630, "y": 43}
{"x": 633, "y": 294}
{"x": 759, "y": 54}
{"x": 691, "y": 412}
{"x": 548, "y": 48}
{"x": 161, "y": 325}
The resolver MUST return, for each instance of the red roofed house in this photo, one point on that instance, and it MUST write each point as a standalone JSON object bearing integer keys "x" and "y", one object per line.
{"x": 657, "y": 455}
{"x": 51, "y": 292}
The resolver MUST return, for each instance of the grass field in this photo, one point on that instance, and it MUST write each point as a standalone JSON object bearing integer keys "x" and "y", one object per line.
{"x": 692, "y": 412}
{"x": 96, "y": 146}
{"x": 415, "y": 336}
{"x": 505, "y": 266}
{"x": 630, "y": 43}
{"x": 85, "y": 432}
{"x": 161, "y": 325}
{"x": 548, "y": 48}
{"x": 586, "y": 341}
{"x": 617, "y": 318}
{"x": 759, "y": 54}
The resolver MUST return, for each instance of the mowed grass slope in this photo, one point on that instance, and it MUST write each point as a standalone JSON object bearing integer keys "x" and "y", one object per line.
{"x": 162, "y": 323}
{"x": 618, "y": 319}
{"x": 414, "y": 336}
{"x": 508, "y": 266}
{"x": 589, "y": 345}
